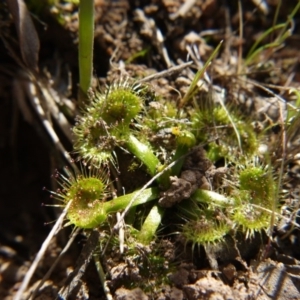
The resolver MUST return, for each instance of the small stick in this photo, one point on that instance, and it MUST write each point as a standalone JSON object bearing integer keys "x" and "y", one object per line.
{"x": 66, "y": 248}
{"x": 155, "y": 34}
{"x": 35, "y": 102}
{"x": 41, "y": 253}
{"x": 167, "y": 72}
{"x": 121, "y": 233}
{"x": 102, "y": 278}
{"x": 183, "y": 9}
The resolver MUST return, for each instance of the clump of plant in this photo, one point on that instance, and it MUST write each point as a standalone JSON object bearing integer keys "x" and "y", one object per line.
{"x": 112, "y": 120}
{"x": 105, "y": 123}
{"x": 228, "y": 126}
{"x": 89, "y": 194}
{"x": 255, "y": 199}
{"x": 203, "y": 223}
{"x": 120, "y": 122}
{"x": 126, "y": 119}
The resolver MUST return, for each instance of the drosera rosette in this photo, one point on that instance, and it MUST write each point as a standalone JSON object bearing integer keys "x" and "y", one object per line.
{"x": 205, "y": 230}
{"x": 105, "y": 121}
{"x": 247, "y": 206}
{"x": 254, "y": 199}
{"x": 90, "y": 197}
{"x": 226, "y": 125}
{"x": 87, "y": 191}
{"x": 203, "y": 224}
{"x": 109, "y": 121}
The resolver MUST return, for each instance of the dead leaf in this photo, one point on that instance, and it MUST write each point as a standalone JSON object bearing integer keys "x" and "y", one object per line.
{"x": 28, "y": 38}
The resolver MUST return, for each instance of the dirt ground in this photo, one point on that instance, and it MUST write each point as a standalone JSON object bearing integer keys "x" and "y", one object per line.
{"x": 263, "y": 267}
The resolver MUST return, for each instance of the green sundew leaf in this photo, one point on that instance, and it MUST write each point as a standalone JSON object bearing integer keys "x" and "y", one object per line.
{"x": 121, "y": 202}
{"x": 150, "y": 225}
{"x": 144, "y": 153}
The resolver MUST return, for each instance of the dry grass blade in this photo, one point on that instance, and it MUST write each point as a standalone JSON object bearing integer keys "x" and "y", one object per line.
{"x": 262, "y": 5}
{"x": 184, "y": 8}
{"x": 41, "y": 253}
{"x": 28, "y": 38}
{"x": 58, "y": 259}
{"x": 167, "y": 72}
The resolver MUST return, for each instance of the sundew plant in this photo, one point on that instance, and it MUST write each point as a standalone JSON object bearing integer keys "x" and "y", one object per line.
{"x": 177, "y": 158}
{"x": 156, "y": 169}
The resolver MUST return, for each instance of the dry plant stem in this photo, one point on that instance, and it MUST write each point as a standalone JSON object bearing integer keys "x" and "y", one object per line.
{"x": 228, "y": 36}
{"x": 102, "y": 278}
{"x": 265, "y": 89}
{"x": 12, "y": 52}
{"x": 156, "y": 35}
{"x": 41, "y": 253}
{"x": 38, "y": 107}
{"x": 32, "y": 91}
{"x": 277, "y": 214}
{"x": 262, "y": 6}
{"x": 165, "y": 73}
{"x": 51, "y": 132}
{"x": 161, "y": 47}
{"x": 27, "y": 35}
{"x": 183, "y": 9}
{"x": 32, "y": 87}
{"x": 121, "y": 234}
{"x": 67, "y": 246}
{"x": 194, "y": 54}
{"x": 53, "y": 103}
{"x": 20, "y": 99}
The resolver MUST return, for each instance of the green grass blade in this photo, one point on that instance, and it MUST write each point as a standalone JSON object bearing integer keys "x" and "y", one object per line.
{"x": 86, "y": 43}
{"x": 193, "y": 87}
